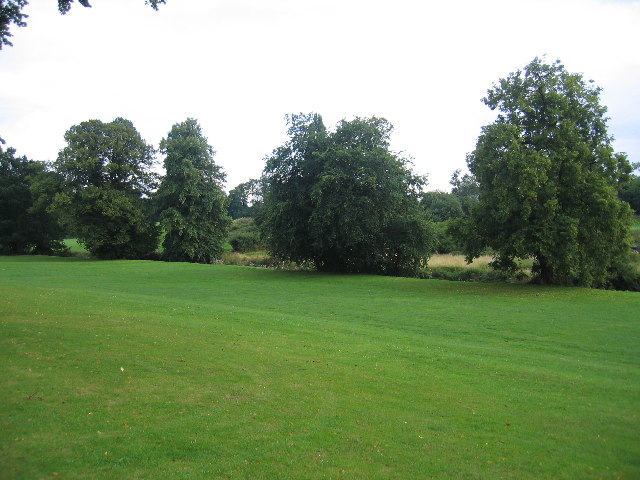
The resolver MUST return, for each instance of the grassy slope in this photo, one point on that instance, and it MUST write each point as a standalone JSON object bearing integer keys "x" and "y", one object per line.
{"x": 149, "y": 370}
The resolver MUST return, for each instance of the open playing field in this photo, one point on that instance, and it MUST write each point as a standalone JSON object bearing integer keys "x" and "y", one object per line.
{"x": 132, "y": 369}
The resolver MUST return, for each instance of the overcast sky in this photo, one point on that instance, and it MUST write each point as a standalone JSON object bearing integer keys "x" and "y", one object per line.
{"x": 238, "y": 66}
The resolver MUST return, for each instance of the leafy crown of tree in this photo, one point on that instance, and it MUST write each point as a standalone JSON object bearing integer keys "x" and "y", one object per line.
{"x": 107, "y": 178}
{"x": 107, "y": 154}
{"x": 245, "y": 199}
{"x": 548, "y": 178}
{"x": 344, "y": 201}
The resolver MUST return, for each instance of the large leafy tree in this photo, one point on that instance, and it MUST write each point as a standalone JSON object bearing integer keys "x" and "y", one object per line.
{"x": 11, "y": 13}
{"x": 107, "y": 175}
{"x": 26, "y": 191}
{"x": 290, "y": 174}
{"x": 344, "y": 201}
{"x": 192, "y": 204}
{"x": 548, "y": 178}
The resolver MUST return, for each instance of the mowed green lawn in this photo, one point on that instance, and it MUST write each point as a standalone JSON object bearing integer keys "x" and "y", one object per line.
{"x": 131, "y": 369}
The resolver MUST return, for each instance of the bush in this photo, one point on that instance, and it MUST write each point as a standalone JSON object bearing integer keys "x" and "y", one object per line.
{"x": 244, "y": 235}
{"x": 625, "y": 275}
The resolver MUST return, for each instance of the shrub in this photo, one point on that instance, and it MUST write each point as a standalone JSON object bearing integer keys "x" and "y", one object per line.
{"x": 625, "y": 275}
{"x": 244, "y": 235}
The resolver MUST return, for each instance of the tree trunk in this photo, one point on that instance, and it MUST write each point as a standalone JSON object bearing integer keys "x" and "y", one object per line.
{"x": 545, "y": 275}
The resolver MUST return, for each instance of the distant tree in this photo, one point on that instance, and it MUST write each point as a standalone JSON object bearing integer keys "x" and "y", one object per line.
{"x": 245, "y": 200}
{"x": 107, "y": 178}
{"x": 444, "y": 209}
{"x": 11, "y": 13}
{"x": 26, "y": 191}
{"x": 344, "y": 201}
{"x": 466, "y": 189}
{"x": 630, "y": 193}
{"x": 442, "y": 205}
{"x": 548, "y": 179}
{"x": 193, "y": 206}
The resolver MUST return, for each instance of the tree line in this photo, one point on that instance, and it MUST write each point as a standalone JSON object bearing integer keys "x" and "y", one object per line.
{"x": 544, "y": 183}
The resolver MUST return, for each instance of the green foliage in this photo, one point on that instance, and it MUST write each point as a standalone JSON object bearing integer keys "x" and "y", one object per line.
{"x": 449, "y": 209}
{"x": 290, "y": 174}
{"x": 548, "y": 179}
{"x": 244, "y": 235}
{"x": 113, "y": 223}
{"x": 635, "y": 233}
{"x": 446, "y": 240}
{"x": 630, "y": 193}
{"x": 26, "y": 191}
{"x": 191, "y": 202}
{"x": 106, "y": 178}
{"x": 466, "y": 189}
{"x": 11, "y": 12}
{"x": 344, "y": 201}
{"x": 442, "y": 205}
{"x": 625, "y": 274}
{"x": 245, "y": 200}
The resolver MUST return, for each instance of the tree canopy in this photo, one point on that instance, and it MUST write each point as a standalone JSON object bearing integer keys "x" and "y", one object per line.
{"x": 441, "y": 205}
{"x": 630, "y": 193}
{"x": 245, "y": 199}
{"x": 107, "y": 178}
{"x": 548, "y": 178}
{"x": 192, "y": 204}
{"x": 343, "y": 200}
{"x": 26, "y": 191}
{"x": 11, "y": 13}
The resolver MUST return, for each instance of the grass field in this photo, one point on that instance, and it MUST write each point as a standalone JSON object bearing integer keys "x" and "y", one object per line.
{"x": 166, "y": 370}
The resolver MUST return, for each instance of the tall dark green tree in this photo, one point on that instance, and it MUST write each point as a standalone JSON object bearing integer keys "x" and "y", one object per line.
{"x": 549, "y": 178}
{"x": 345, "y": 201}
{"x": 26, "y": 191}
{"x": 192, "y": 204}
{"x": 107, "y": 175}
{"x": 290, "y": 175}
